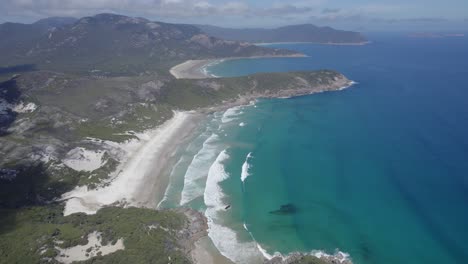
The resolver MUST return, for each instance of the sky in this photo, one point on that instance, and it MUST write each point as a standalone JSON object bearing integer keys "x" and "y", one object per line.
{"x": 360, "y": 15}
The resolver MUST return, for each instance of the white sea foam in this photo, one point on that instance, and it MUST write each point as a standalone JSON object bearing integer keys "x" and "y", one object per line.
{"x": 169, "y": 186}
{"x": 231, "y": 114}
{"x": 224, "y": 238}
{"x": 242, "y": 124}
{"x": 205, "y": 70}
{"x": 198, "y": 170}
{"x": 246, "y": 167}
{"x": 339, "y": 256}
{"x": 266, "y": 254}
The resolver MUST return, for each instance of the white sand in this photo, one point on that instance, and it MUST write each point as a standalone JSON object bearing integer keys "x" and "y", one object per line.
{"x": 196, "y": 69}
{"x": 192, "y": 69}
{"x": 81, "y": 159}
{"x": 139, "y": 181}
{"x": 205, "y": 252}
{"x": 25, "y": 108}
{"x": 79, "y": 252}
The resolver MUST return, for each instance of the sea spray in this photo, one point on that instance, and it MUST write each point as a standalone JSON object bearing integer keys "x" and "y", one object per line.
{"x": 231, "y": 114}
{"x": 246, "y": 167}
{"x": 224, "y": 238}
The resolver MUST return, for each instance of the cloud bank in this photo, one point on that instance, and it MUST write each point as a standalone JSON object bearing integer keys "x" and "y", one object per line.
{"x": 238, "y": 13}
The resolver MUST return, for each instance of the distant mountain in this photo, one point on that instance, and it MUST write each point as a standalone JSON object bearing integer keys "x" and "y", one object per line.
{"x": 113, "y": 43}
{"x": 55, "y": 22}
{"x": 16, "y": 38}
{"x": 295, "y": 33}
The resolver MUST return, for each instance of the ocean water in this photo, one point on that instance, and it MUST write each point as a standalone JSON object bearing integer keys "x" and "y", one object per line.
{"x": 379, "y": 170}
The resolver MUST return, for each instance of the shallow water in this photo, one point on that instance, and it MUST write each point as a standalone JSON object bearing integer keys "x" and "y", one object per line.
{"x": 378, "y": 170}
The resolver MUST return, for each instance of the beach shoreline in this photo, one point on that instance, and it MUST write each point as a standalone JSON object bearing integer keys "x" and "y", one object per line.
{"x": 196, "y": 69}
{"x": 141, "y": 178}
{"x": 317, "y": 43}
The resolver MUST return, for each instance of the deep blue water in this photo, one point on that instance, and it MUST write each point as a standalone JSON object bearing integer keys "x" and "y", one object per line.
{"x": 379, "y": 170}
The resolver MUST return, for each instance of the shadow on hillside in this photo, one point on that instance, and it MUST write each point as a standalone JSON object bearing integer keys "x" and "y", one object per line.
{"x": 9, "y": 95}
{"x": 25, "y": 186}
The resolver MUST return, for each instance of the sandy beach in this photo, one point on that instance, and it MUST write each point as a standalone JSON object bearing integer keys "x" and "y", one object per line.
{"x": 192, "y": 69}
{"x": 141, "y": 180}
{"x": 196, "y": 69}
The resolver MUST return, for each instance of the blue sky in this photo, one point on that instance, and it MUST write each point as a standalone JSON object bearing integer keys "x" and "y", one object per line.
{"x": 362, "y": 15}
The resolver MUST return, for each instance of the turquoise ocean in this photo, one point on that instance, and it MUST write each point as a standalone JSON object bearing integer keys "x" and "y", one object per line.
{"x": 378, "y": 171}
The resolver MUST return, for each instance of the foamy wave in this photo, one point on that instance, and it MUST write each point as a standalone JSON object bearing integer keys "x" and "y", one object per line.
{"x": 224, "y": 238}
{"x": 341, "y": 257}
{"x": 169, "y": 186}
{"x": 266, "y": 255}
{"x": 245, "y": 167}
{"x": 198, "y": 170}
{"x": 337, "y": 257}
{"x": 216, "y": 174}
{"x": 231, "y": 114}
{"x": 207, "y": 72}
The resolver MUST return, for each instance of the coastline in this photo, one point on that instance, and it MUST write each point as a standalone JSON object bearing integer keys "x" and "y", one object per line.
{"x": 141, "y": 178}
{"x": 204, "y": 249}
{"x": 318, "y": 43}
{"x": 196, "y": 69}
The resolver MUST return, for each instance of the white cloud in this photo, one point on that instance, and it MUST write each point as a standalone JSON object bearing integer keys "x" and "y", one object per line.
{"x": 161, "y": 8}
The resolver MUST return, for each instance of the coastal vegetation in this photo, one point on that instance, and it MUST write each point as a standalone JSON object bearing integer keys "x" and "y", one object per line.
{"x": 36, "y": 234}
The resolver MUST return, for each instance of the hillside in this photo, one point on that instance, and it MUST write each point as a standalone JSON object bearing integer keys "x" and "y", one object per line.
{"x": 113, "y": 44}
{"x": 294, "y": 33}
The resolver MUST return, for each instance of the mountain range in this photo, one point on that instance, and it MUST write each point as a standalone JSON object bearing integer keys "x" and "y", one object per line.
{"x": 113, "y": 43}
{"x": 127, "y": 45}
{"x": 293, "y": 33}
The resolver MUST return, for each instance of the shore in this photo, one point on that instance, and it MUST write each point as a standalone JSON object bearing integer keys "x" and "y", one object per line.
{"x": 196, "y": 69}
{"x": 142, "y": 177}
{"x": 318, "y": 43}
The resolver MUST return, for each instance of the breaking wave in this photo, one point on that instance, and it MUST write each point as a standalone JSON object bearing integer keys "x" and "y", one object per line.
{"x": 224, "y": 238}
{"x": 194, "y": 179}
{"x": 246, "y": 167}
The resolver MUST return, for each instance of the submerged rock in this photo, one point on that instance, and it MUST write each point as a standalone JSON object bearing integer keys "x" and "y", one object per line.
{"x": 285, "y": 209}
